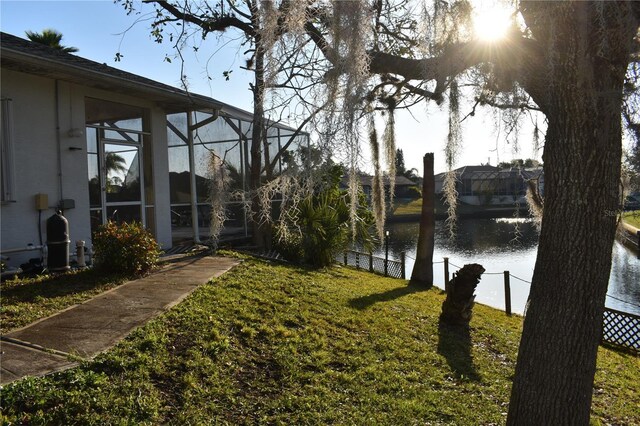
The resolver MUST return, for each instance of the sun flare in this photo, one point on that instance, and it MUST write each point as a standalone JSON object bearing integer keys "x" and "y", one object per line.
{"x": 492, "y": 22}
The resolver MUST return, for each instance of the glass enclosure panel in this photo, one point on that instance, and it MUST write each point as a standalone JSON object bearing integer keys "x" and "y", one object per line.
{"x": 179, "y": 135}
{"x": 272, "y": 132}
{"x": 218, "y": 130}
{"x": 202, "y": 156}
{"x": 235, "y": 219}
{"x": 92, "y": 140}
{"x": 123, "y": 173}
{"x": 120, "y": 135}
{"x": 94, "y": 180}
{"x": 179, "y": 178}
{"x": 96, "y": 219}
{"x": 247, "y": 128}
{"x": 129, "y": 124}
{"x": 204, "y": 217}
{"x": 231, "y": 152}
{"x": 124, "y": 213}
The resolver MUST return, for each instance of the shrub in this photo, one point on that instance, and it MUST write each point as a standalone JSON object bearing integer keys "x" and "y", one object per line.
{"x": 413, "y": 192}
{"x": 126, "y": 248}
{"x": 287, "y": 243}
{"x": 320, "y": 228}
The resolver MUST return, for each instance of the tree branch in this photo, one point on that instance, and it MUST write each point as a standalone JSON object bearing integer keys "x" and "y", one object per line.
{"x": 214, "y": 24}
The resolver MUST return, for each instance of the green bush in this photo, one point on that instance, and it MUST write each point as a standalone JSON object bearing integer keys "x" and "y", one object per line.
{"x": 320, "y": 228}
{"x": 125, "y": 248}
{"x": 413, "y": 193}
{"x": 288, "y": 244}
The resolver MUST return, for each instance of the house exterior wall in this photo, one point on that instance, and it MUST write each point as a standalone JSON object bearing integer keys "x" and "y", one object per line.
{"x": 35, "y": 160}
{"x": 44, "y": 110}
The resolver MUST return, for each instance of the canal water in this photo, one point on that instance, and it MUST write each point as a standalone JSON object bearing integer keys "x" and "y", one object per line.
{"x": 506, "y": 245}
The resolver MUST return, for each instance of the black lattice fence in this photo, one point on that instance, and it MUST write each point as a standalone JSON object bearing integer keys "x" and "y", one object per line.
{"x": 375, "y": 264}
{"x": 621, "y": 328}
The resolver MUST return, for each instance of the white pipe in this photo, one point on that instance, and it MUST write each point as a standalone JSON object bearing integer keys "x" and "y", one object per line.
{"x": 58, "y": 141}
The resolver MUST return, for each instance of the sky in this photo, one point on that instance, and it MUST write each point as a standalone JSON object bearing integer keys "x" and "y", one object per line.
{"x": 100, "y": 29}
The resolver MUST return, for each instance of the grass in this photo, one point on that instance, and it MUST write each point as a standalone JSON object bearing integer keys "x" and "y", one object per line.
{"x": 25, "y": 300}
{"x": 632, "y": 218}
{"x": 413, "y": 207}
{"x": 274, "y": 344}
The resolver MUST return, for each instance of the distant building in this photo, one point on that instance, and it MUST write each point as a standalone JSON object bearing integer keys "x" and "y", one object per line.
{"x": 401, "y": 187}
{"x": 487, "y": 185}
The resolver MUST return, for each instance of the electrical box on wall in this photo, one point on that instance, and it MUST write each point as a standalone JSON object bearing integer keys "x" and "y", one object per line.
{"x": 42, "y": 201}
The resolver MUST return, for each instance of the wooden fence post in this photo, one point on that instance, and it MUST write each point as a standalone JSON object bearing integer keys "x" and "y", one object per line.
{"x": 402, "y": 263}
{"x": 446, "y": 275}
{"x": 370, "y": 262}
{"x": 507, "y": 293}
{"x": 345, "y": 257}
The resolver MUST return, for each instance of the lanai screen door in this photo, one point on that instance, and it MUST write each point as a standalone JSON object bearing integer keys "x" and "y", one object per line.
{"x": 116, "y": 184}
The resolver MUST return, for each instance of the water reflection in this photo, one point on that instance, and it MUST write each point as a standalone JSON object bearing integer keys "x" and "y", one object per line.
{"x": 507, "y": 245}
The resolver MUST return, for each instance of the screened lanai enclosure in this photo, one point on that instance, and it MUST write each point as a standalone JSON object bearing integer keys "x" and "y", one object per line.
{"x": 195, "y": 137}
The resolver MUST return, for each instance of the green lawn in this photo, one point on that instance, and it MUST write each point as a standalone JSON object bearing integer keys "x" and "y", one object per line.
{"x": 26, "y": 300}
{"x": 632, "y": 218}
{"x": 273, "y": 344}
{"x": 411, "y": 208}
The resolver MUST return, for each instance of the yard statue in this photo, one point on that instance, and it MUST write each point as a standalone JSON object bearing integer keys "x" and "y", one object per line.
{"x": 456, "y": 309}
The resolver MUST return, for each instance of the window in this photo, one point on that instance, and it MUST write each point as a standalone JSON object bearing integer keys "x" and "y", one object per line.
{"x": 6, "y": 157}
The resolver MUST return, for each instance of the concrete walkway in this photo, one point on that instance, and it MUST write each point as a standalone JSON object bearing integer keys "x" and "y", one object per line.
{"x": 82, "y": 331}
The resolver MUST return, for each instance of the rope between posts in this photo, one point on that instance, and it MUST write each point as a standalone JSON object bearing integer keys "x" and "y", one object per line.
{"x": 513, "y": 276}
{"x": 490, "y": 273}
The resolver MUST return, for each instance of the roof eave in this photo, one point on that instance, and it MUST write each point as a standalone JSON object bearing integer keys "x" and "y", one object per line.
{"x": 172, "y": 98}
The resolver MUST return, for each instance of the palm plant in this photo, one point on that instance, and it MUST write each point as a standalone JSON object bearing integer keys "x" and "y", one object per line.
{"x": 50, "y": 37}
{"x": 321, "y": 227}
{"x": 114, "y": 162}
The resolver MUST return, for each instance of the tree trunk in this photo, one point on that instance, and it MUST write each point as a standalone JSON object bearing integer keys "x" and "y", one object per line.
{"x": 423, "y": 268}
{"x": 562, "y": 330}
{"x": 261, "y": 229}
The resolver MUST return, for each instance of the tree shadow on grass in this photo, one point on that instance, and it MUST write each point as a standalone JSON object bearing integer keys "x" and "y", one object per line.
{"x": 366, "y": 301}
{"x": 31, "y": 290}
{"x": 454, "y": 344}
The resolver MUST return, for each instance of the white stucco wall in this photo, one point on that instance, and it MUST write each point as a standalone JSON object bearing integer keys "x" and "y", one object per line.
{"x": 36, "y": 160}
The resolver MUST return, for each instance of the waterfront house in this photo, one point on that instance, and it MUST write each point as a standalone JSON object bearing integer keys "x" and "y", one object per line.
{"x": 487, "y": 187}
{"x": 402, "y": 186}
{"x": 103, "y": 144}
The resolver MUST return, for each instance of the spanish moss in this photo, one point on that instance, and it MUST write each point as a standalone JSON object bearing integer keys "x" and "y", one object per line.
{"x": 377, "y": 184}
{"x": 389, "y": 138}
{"x": 219, "y": 183}
{"x": 454, "y": 142}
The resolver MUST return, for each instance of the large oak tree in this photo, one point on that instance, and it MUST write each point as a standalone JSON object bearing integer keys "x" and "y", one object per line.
{"x": 571, "y": 58}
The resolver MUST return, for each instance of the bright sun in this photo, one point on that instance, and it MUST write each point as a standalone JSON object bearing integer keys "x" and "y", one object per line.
{"x": 491, "y": 23}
